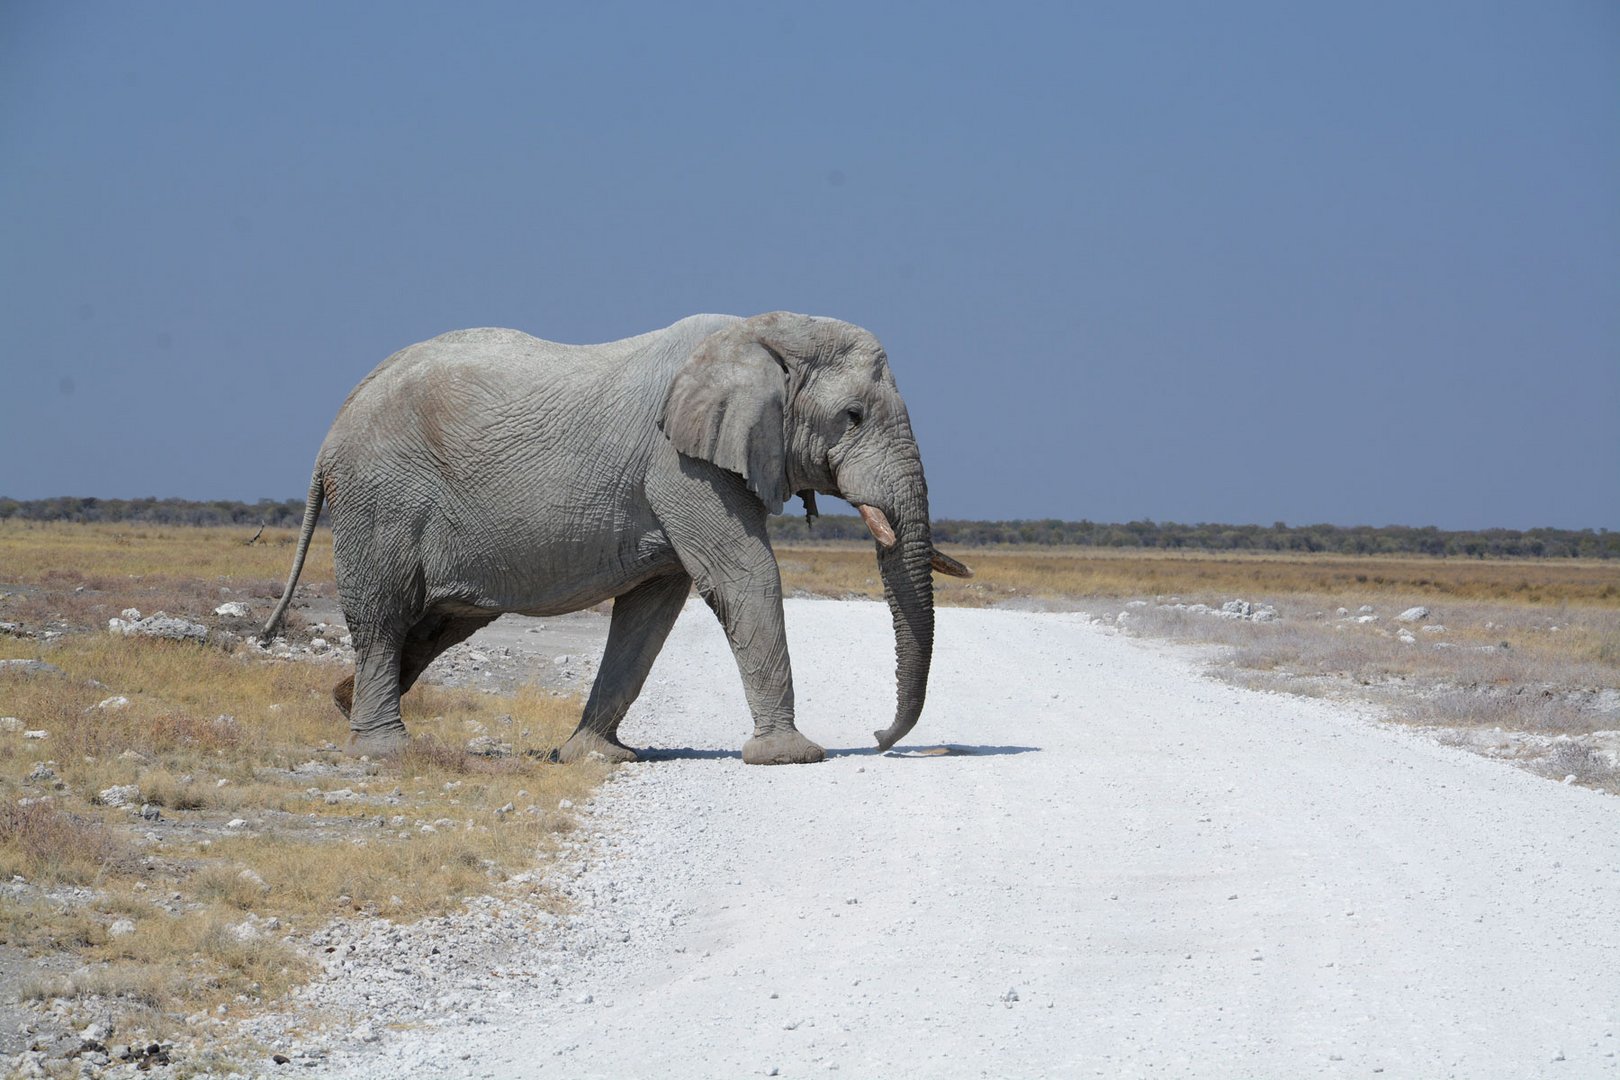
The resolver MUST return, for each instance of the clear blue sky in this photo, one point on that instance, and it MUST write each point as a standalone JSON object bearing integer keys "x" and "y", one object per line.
{"x": 1240, "y": 262}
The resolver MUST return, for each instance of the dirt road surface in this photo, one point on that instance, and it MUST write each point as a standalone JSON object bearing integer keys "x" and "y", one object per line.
{"x": 1119, "y": 867}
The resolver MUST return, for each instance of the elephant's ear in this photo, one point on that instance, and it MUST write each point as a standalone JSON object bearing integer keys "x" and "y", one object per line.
{"x": 727, "y": 406}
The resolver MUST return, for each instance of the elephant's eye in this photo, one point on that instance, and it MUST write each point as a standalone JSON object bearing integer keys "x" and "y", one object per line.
{"x": 855, "y": 414}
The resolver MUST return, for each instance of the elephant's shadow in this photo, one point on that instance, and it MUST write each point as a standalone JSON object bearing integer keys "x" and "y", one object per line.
{"x": 691, "y": 753}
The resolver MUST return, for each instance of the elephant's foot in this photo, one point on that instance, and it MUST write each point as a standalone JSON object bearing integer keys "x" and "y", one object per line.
{"x": 786, "y": 747}
{"x": 382, "y": 741}
{"x": 585, "y": 742}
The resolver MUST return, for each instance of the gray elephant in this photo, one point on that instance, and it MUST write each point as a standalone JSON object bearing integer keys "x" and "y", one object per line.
{"x": 487, "y": 471}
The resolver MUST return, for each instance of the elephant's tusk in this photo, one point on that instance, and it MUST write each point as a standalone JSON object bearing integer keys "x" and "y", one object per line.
{"x": 947, "y": 565}
{"x": 878, "y": 524}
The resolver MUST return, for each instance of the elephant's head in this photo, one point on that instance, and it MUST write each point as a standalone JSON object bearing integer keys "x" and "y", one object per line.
{"x": 793, "y": 403}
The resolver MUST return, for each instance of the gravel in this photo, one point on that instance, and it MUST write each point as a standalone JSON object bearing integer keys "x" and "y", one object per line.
{"x": 1089, "y": 859}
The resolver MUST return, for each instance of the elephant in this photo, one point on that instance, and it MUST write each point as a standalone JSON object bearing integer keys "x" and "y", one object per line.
{"x": 487, "y": 471}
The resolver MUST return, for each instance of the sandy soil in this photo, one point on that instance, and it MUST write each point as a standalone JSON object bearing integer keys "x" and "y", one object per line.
{"x": 1116, "y": 867}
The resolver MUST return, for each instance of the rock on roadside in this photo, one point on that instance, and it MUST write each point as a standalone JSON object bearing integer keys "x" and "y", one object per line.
{"x": 158, "y": 625}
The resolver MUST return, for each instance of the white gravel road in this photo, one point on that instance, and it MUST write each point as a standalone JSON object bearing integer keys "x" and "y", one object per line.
{"x": 1121, "y": 868}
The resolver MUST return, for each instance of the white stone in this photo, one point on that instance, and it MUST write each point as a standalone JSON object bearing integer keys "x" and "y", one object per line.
{"x": 35, "y": 734}
{"x": 1434, "y": 629}
{"x": 120, "y": 795}
{"x": 10, "y": 723}
{"x": 319, "y": 644}
{"x": 163, "y": 625}
{"x": 132, "y": 614}
{"x": 236, "y": 823}
{"x": 233, "y": 608}
{"x": 1413, "y": 614}
{"x": 113, "y": 703}
{"x": 121, "y": 928}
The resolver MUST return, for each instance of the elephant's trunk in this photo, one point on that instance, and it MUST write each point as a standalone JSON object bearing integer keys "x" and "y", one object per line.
{"x": 908, "y": 585}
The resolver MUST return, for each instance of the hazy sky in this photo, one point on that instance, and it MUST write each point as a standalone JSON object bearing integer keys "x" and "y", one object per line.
{"x": 1241, "y": 262}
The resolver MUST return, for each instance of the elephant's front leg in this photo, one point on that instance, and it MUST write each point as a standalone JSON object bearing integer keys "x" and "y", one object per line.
{"x": 717, "y": 527}
{"x": 642, "y": 619}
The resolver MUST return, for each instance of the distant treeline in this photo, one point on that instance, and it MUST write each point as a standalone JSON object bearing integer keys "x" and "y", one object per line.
{"x": 1166, "y": 535}
{"x": 1170, "y": 536}
{"x": 157, "y": 511}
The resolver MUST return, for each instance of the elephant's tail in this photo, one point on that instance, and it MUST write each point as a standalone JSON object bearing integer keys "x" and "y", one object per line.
{"x": 312, "y": 513}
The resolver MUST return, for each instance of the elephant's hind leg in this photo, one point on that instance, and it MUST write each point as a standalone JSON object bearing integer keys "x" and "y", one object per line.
{"x": 426, "y": 641}
{"x": 343, "y": 696}
{"x": 375, "y": 725}
{"x": 642, "y": 619}
{"x": 431, "y": 637}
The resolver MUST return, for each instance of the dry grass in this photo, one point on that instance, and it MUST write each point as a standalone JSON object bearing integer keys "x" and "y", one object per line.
{"x": 109, "y": 556}
{"x": 211, "y": 737}
{"x": 39, "y": 840}
{"x": 56, "y": 576}
{"x": 1006, "y": 573}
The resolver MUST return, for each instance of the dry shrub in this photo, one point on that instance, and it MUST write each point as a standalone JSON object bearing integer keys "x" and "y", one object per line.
{"x": 38, "y": 925}
{"x": 1580, "y": 765}
{"x": 42, "y": 843}
{"x": 163, "y": 788}
{"x": 420, "y": 873}
{"x": 198, "y": 956}
{"x": 1512, "y": 708}
{"x": 134, "y": 984}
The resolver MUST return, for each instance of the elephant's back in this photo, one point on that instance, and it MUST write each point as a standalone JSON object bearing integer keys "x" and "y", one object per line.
{"x": 490, "y": 362}
{"x": 510, "y": 353}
